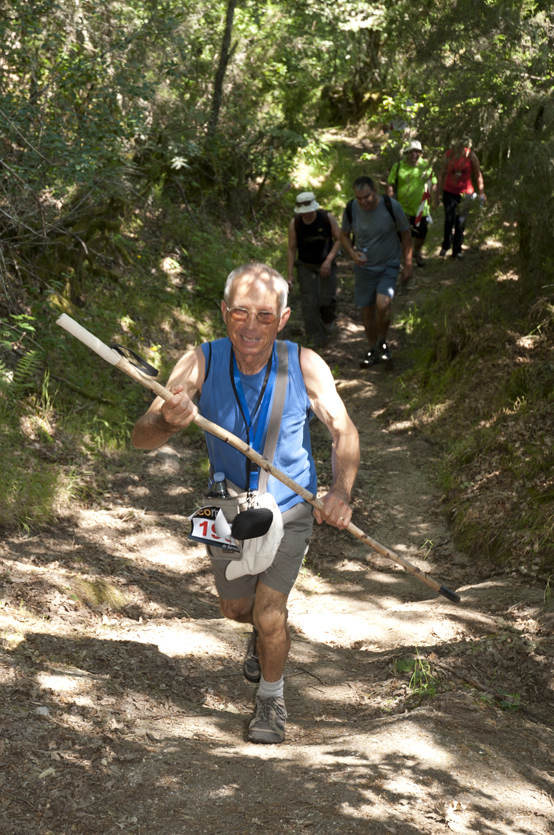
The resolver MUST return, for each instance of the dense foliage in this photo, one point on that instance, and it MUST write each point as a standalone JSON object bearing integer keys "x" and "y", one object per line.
{"x": 487, "y": 70}
{"x": 100, "y": 104}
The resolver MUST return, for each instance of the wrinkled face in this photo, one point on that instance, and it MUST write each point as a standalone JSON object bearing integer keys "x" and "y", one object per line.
{"x": 253, "y": 334}
{"x": 413, "y": 156}
{"x": 366, "y": 198}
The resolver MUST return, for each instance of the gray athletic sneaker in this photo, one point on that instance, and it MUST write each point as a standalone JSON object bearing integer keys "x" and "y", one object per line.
{"x": 268, "y": 724}
{"x": 251, "y": 668}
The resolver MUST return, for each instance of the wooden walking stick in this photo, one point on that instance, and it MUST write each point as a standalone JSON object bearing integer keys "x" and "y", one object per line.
{"x": 115, "y": 358}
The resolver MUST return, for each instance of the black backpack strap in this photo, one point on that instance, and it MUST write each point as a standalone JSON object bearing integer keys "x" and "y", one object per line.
{"x": 135, "y": 360}
{"x": 390, "y": 210}
{"x": 349, "y": 211}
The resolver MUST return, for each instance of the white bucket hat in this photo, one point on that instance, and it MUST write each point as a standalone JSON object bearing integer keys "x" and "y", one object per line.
{"x": 306, "y": 202}
{"x": 415, "y": 145}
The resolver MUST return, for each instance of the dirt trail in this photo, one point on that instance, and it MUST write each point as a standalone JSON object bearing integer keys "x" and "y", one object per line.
{"x": 122, "y": 703}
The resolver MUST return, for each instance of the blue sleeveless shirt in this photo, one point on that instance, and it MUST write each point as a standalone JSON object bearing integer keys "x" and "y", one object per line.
{"x": 218, "y": 403}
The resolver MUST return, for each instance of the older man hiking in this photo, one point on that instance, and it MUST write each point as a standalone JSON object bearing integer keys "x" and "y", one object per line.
{"x": 235, "y": 383}
{"x": 377, "y": 223}
{"x": 315, "y": 235}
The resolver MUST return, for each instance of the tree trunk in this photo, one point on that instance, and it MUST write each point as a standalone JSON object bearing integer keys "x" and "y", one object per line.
{"x": 224, "y": 56}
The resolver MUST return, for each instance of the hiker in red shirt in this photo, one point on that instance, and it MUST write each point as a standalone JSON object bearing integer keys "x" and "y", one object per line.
{"x": 459, "y": 169}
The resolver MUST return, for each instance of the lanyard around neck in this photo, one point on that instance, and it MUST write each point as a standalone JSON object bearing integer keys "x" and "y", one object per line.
{"x": 262, "y": 405}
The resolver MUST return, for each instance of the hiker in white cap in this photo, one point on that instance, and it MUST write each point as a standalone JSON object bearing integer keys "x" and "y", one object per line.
{"x": 412, "y": 182}
{"x": 315, "y": 235}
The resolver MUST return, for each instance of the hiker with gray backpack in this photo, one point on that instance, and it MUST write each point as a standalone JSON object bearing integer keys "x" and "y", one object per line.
{"x": 381, "y": 237}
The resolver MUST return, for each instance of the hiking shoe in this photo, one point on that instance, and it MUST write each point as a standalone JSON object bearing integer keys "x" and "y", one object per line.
{"x": 268, "y": 724}
{"x": 370, "y": 358}
{"x": 442, "y": 253}
{"x": 419, "y": 259}
{"x": 458, "y": 256}
{"x": 251, "y": 667}
{"x": 384, "y": 351}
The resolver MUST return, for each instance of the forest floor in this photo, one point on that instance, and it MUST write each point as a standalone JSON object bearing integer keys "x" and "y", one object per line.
{"x": 123, "y": 708}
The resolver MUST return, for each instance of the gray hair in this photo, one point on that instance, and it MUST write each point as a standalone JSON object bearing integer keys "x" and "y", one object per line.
{"x": 263, "y": 272}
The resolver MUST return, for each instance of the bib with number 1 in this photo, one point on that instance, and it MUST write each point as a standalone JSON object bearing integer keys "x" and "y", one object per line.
{"x": 210, "y": 526}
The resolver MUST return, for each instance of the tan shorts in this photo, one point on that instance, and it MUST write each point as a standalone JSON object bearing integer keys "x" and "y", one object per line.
{"x": 282, "y": 573}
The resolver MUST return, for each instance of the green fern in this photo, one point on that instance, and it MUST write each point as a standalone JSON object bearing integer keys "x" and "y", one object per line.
{"x": 25, "y": 375}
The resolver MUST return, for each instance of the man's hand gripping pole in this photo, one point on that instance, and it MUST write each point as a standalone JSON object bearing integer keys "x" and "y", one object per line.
{"x": 114, "y": 358}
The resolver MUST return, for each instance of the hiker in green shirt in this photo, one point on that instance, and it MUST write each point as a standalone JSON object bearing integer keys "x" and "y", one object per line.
{"x": 413, "y": 181}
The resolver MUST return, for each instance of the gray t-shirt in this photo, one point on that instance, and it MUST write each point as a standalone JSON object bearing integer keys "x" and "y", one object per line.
{"x": 376, "y": 234}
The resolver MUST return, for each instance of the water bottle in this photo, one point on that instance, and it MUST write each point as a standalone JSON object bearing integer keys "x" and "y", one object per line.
{"x": 219, "y": 487}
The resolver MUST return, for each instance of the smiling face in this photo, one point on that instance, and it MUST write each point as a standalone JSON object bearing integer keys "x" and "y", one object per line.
{"x": 252, "y": 340}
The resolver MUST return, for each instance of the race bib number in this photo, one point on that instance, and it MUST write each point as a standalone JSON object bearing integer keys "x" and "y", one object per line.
{"x": 210, "y": 526}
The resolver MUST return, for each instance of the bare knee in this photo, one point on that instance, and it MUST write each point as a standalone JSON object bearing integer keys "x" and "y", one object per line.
{"x": 383, "y": 306}
{"x": 240, "y": 609}
{"x": 271, "y": 621}
{"x": 270, "y": 611}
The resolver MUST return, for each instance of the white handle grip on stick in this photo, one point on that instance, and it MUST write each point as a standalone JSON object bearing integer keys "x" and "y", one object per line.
{"x": 114, "y": 358}
{"x": 91, "y": 341}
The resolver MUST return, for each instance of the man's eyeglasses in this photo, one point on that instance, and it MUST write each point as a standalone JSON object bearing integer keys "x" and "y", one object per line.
{"x": 304, "y": 202}
{"x": 415, "y": 151}
{"x": 264, "y": 317}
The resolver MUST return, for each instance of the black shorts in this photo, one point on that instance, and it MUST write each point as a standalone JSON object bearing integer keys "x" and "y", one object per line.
{"x": 418, "y": 231}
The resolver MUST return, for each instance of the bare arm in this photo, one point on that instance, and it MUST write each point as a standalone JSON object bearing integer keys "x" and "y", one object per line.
{"x": 325, "y": 268}
{"x": 346, "y": 243}
{"x": 393, "y": 180}
{"x": 291, "y": 252}
{"x": 331, "y": 411}
{"x": 166, "y": 417}
{"x": 477, "y": 173}
{"x": 407, "y": 253}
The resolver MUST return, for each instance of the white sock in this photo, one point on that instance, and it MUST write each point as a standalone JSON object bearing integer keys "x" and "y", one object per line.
{"x": 271, "y": 689}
